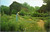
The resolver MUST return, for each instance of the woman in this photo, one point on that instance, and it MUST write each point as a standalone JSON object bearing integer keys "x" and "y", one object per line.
{"x": 17, "y": 16}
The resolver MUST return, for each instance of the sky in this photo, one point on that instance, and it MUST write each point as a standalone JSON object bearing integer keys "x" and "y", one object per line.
{"x": 30, "y": 2}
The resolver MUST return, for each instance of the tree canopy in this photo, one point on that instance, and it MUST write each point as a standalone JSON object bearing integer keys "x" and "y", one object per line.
{"x": 4, "y": 9}
{"x": 46, "y": 1}
{"x": 15, "y": 6}
{"x": 48, "y": 4}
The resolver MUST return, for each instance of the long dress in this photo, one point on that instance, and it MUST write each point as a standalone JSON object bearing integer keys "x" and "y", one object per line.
{"x": 17, "y": 17}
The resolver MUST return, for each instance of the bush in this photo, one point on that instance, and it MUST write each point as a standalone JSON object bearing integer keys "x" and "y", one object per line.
{"x": 20, "y": 25}
{"x": 47, "y": 25}
{"x": 4, "y": 18}
{"x": 36, "y": 14}
{"x": 22, "y": 12}
{"x": 4, "y": 9}
{"x": 4, "y": 26}
{"x": 14, "y": 11}
{"x": 8, "y": 24}
{"x": 4, "y": 22}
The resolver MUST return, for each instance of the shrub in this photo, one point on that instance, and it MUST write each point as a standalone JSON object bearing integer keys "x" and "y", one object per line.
{"x": 22, "y": 12}
{"x": 47, "y": 25}
{"x": 14, "y": 11}
{"x": 4, "y": 26}
{"x": 4, "y": 9}
{"x": 4, "y": 18}
{"x": 36, "y": 14}
{"x": 4, "y": 22}
{"x": 11, "y": 24}
{"x": 20, "y": 25}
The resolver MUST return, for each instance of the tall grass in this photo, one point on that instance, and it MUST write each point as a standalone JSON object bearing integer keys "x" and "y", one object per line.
{"x": 9, "y": 23}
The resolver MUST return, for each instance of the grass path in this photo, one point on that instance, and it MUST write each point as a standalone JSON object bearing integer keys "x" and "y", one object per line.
{"x": 41, "y": 24}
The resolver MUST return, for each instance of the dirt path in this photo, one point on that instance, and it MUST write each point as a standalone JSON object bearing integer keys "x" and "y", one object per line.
{"x": 41, "y": 23}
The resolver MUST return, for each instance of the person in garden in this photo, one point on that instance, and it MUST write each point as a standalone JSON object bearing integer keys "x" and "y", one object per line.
{"x": 17, "y": 16}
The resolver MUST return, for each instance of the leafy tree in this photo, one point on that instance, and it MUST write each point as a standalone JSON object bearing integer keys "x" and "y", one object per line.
{"x": 37, "y": 8}
{"x": 23, "y": 12}
{"x": 25, "y": 4}
{"x": 13, "y": 11}
{"x": 30, "y": 8}
{"x": 46, "y": 1}
{"x": 4, "y": 9}
{"x": 48, "y": 4}
{"x": 47, "y": 24}
{"x": 45, "y": 8}
{"x": 16, "y": 6}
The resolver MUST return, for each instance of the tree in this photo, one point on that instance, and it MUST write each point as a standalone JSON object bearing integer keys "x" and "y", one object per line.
{"x": 25, "y": 4}
{"x": 48, "y": 4}
{"x": 47, "y": 24}
{"x": 37, "y": 8}
{"x": 45, "y": 8}
{"x": 16, "y": 6}
{"x": 30, "y": 8}
{"x": 4, "y": 9}
{"x": 46, "y": 1}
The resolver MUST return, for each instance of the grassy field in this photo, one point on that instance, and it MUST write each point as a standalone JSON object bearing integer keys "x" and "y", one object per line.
{"x": 24, "y": 23}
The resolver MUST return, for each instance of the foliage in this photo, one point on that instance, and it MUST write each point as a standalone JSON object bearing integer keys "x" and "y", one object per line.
{"x": 4, "y": 9}
{"x": 27, "y": 19}
{"x": 37, "y": 8}
{"x": 22, "y": 12}
{"x": 45, "y": 8}
{"x": 25, "y": 4}
{"x": 16, "y": 6}
{"x": 4, "y": 18}
{"x": 30, "y": 8}
{"x": 47, "y": 25}
{"x": 20, "y": 25}
{"x": 36, "y": 14}
{"x": 46, "y": 1}
{"x": 13, "y": 11}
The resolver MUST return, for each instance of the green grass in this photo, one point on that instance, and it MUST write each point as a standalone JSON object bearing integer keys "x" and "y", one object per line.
{"x": 9, "y": 23}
